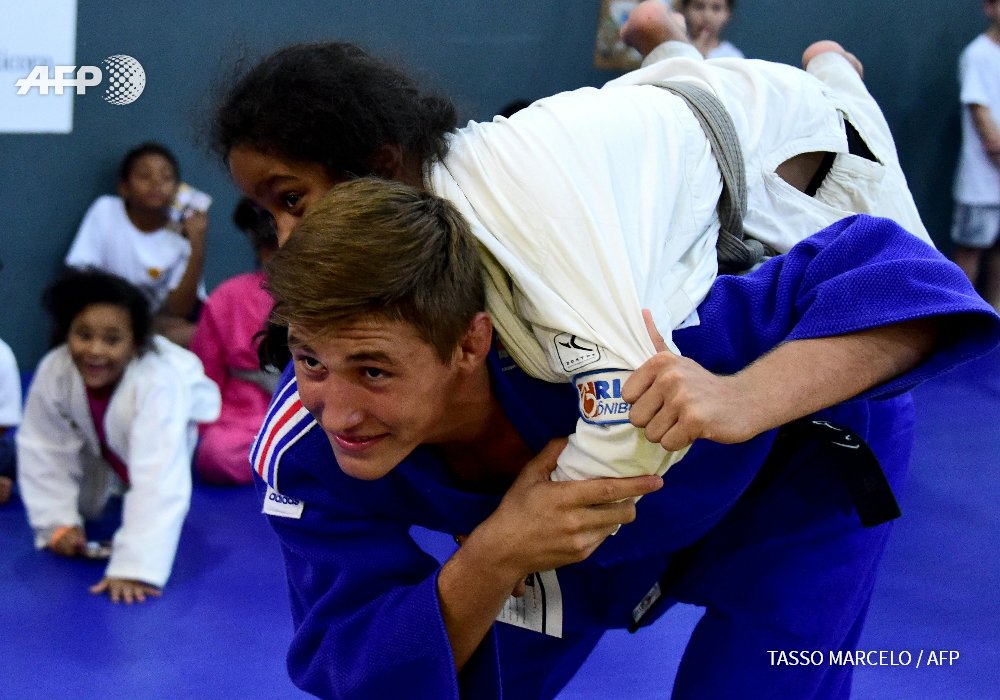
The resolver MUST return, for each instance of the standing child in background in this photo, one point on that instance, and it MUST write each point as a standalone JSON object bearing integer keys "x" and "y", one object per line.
{"x": 976, "y": 226}
{"x": 705, "y": 20}
{"x": 233, "y": 314}
{"x": 130, "y": 236}
{"x": 111, "y": 410}
{"x": 10, "y": 417}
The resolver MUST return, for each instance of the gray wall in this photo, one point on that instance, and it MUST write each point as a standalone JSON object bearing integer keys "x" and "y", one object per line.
{"x": 483, "y": 54}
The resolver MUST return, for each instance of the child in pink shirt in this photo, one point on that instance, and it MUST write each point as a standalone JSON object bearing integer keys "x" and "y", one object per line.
{"x": 224, "y": 339}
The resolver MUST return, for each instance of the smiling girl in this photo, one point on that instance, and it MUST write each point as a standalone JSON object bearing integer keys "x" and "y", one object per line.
{"x": 111, "y": 411}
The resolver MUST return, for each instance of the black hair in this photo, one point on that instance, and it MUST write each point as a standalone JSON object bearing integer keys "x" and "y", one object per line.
{"x": 257, "y": 226}
{"x": 272, "y": 345}
{"x": 332, "y": 104}
{"x": 77, "y": 288}
{"x": 145, "y": 149}
{"x": 272, "y": 340}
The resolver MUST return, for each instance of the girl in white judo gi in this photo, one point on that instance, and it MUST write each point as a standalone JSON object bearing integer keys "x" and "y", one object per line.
{"x": 111, "y": 410}
{"x": 589, "y": 206}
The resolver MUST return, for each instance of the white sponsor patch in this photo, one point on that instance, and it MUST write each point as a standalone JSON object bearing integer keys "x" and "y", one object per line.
{"x": 282, "y": 506}
{"x": 539, "y": 609}
{"x": 600, "y": 395}
{"x": 575, "y": 352}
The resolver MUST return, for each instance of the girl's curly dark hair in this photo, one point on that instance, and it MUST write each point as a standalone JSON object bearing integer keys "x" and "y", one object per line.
{"x": 77, "y": 288}
{"x": 331, "y": 104}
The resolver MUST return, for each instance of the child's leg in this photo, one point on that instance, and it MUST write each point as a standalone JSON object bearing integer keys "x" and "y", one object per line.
{"x": 869, "y": 179}
{"x": 968, "y": 259}
{"x": 8, "y": 461}
{"x": 975, "y": 231}
{"x": 650, "y": 24}
{"x": 103, "y": 526}
{"x": 991, "y": 290}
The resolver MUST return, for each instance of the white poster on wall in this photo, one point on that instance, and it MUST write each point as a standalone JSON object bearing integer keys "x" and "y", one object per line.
{"x": 36, "y": 34}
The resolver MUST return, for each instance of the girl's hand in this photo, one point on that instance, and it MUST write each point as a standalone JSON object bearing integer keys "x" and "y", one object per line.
{"x": 68, "y": 541}
{"x": 195, "y": 228}
{"x": 125, "y": 590}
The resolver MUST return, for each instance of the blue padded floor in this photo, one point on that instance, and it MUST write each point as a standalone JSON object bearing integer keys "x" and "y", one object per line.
{"x": 219, "y": 631}
{"x": 222, "y": 626}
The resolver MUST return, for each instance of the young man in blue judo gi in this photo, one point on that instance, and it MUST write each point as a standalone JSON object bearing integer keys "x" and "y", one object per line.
{"x": 405, "y": 410}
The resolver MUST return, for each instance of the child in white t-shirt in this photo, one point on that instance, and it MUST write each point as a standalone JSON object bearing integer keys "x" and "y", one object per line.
{"x": 976, "y": 226}
{"x": 130, "y": 236}
{"x": 226, "y": 343}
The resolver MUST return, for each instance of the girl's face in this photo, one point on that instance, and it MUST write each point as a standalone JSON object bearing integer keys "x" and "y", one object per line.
{"x": 101, "y": 344}
{"x": 151, "y": 183}
{"x": 283, "y": 188}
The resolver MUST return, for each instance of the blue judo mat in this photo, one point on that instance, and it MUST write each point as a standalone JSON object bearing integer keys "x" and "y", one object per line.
{"x": 222, "y": 626}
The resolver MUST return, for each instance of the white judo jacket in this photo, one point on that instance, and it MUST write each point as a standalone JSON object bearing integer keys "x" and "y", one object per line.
{"x": 594, "y": 204}
{"x": 149, "y": 424}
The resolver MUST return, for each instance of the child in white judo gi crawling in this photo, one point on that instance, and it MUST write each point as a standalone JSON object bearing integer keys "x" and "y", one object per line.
{"x": 112, "y": 410}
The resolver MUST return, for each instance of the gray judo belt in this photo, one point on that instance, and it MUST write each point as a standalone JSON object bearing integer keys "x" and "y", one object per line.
{"x": 735, "y": 251}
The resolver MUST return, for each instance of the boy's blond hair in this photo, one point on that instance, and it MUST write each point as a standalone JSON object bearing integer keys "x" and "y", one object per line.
{"x": 374, "y": 247}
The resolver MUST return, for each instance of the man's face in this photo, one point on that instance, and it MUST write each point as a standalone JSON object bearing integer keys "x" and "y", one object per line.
{"x": 377, "y": 390}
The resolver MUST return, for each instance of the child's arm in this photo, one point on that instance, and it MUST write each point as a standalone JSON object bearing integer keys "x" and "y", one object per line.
{"x": 49, "y": 454}
{"x": 988, "y": 130}
{"x": 159, "y": 469}
{"x": 184, "y": 297}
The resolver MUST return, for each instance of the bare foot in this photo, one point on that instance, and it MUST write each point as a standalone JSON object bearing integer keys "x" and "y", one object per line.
{"x": 827, "y": 46}
{"x": 650, "y": 24}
